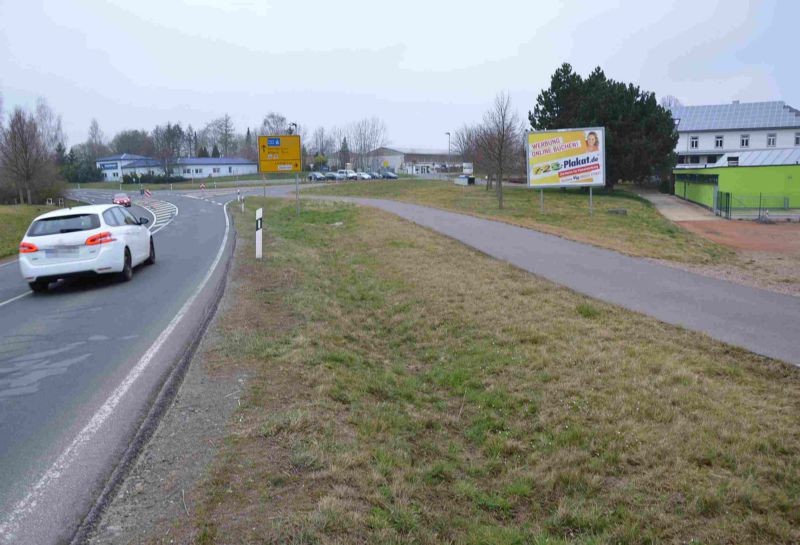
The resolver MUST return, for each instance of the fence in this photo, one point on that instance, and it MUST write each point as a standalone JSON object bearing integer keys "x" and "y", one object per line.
{"x": 760, "y": 206}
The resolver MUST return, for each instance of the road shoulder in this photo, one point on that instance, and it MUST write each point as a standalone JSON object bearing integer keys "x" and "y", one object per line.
{"x": 159, "y": 486}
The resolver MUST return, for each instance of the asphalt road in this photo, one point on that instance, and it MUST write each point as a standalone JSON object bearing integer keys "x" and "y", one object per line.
{"x": 81, "y": 364}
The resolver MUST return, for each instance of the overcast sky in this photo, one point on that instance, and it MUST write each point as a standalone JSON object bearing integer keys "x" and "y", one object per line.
{"x": 423, "y": 66}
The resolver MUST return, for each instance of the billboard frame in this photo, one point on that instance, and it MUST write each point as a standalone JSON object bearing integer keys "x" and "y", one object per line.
{"x": 557, "y": 186}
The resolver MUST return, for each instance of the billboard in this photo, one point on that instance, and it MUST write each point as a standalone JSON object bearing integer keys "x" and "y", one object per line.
{"x": 566, "y": 158}
{"x": 279, "y": 153}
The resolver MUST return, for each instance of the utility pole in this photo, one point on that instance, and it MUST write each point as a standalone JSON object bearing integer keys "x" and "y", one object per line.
{"x": 448, "y": 152}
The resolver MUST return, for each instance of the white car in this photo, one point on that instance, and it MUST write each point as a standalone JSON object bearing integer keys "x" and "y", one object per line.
{"x": 363, "y": 176}
{"x": 84, "y": 241}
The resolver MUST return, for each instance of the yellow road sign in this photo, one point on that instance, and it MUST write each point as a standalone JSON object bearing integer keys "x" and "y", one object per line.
{"x": 279, "y": 153}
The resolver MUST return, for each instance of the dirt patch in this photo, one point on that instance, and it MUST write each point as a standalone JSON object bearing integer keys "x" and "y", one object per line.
{"x": 783, "y": 238}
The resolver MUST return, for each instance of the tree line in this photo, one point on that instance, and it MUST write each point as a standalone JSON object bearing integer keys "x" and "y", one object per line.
{"x": 640, "y": 133}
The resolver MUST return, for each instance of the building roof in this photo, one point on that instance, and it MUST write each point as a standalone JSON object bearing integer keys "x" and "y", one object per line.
{"x": 787, "y": 156}
{"x": 216, "y": 161}
{"x": 121, "y": 157}
{"x": 745, "y": 115}
{"x": 144, "y": 162}
{"x": 410, "y": 151}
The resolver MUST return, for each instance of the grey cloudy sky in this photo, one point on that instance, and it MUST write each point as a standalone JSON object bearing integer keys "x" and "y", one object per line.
{"x": 424, "y": 67}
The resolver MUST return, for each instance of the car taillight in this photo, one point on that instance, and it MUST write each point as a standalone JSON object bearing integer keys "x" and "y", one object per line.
{"x": 27, "y": 248}
{"x": 100, "y": 238}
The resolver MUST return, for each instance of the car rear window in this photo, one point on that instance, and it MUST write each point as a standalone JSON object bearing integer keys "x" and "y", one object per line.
{"x": 64, "y": 224}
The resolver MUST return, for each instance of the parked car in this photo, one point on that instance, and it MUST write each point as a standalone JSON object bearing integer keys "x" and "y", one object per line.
{"x": 363, "y": 176}
{"x": 316, "y": 177}
{"x": 389, "y": 175}
{"x": 122, "y": 199}
{"x": 84, "y": 241}
{"x": 331, "y": 175}
{"x": 347, "y": 174}
{"x": 375, "y": 175}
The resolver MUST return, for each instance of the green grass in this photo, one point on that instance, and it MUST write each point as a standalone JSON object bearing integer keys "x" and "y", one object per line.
{"x": 15, "y": 221}
{"x": 642, "y": 232}
{"x": 406, "y": 389}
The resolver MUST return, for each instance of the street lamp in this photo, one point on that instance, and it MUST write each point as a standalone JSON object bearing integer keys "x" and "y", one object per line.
{"x": 448, "y": 151}
{"x": 292, "y": 128}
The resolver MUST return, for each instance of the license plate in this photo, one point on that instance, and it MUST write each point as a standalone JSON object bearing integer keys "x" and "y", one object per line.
{"x": 62, "y": 252}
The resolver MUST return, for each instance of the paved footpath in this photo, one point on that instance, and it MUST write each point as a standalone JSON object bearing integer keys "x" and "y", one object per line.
{"x": 761, "y": 321}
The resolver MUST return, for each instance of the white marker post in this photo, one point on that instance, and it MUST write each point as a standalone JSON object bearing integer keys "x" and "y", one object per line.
{"x": 259, "y": 221}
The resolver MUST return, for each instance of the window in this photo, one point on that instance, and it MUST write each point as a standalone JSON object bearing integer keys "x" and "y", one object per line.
{"x": 216, "y": 170}
{"x": 733, "y": 161}
{"x": 719, "y": 141}
{"x": 187, "y": 171}
{"x": 118, "y": 216}
{"x": 230, "y": 170}
{"x": 797, "y": 139}
{"x": 129, "y": 218}
{"x": 771, "y": 137}
{"x": 64, "y": 224}
{"x": 694, "y": 142}
{"x": 198, "y": 171}
{"x": 108, "y": 217}
{"x": 744, "y": 141}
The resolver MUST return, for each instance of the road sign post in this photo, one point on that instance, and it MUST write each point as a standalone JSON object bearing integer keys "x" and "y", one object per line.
{"x": 297, "y": 193}
{"x": 259, "y": 221}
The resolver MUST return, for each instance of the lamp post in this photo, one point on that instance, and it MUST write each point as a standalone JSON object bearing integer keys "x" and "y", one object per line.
{"x": 448, "y": 152}
{"x": 292, "y": 128}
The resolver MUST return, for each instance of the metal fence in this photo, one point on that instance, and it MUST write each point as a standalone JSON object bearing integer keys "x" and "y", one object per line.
{"x": 758, "y": 206}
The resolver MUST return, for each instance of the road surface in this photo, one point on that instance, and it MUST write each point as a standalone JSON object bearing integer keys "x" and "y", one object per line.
{"x": 81, "y": 365}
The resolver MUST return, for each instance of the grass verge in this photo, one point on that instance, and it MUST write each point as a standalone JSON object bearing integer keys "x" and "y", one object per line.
{"x": 15, "y": 220}
{"x": 407, "y": 389}
{"x": 641, "y": 232}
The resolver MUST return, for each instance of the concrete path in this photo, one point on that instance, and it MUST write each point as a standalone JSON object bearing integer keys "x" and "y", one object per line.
{"x": 761, "y": 321}
{"x": 675, "y": 209}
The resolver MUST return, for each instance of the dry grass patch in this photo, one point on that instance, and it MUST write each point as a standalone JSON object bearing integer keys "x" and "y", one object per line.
{"x": 415, "y": 391}
{"x": 642, "y": 232}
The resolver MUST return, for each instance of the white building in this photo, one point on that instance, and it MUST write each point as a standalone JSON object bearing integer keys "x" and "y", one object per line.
{"x": 414, "y": 160}
{"x": 115, "y": 167}
{"x": 706, "y": 133}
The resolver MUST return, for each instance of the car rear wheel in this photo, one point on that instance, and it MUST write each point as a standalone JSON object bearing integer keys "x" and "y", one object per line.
{"x": 39, "y": 286}
{"x": 127, "y": 268}
{"x": 151, "y": 259}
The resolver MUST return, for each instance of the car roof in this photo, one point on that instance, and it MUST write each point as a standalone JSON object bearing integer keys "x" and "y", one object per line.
{"x": 88, "y": 209}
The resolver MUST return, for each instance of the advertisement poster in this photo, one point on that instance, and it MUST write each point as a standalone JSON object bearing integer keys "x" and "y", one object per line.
{"x": 566, "y": 158}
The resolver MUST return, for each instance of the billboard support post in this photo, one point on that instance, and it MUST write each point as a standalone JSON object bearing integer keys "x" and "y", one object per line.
{"x": 541, "y": 201}
{"x": 590, "y": 201}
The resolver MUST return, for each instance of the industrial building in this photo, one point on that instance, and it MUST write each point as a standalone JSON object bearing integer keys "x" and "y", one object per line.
{"x": 414, "y": 160}
{"x": 115, "y": 167}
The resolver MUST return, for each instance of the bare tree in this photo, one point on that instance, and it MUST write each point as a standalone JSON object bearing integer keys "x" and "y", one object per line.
{"x": 167, "y": 143}
{"x": 669, "y": 102}
{"x": 23, "y": 154}
{"x": 364, "y": 137}
{"x": 499, "y": 139}
{"x": 222, "y": 133}
{"x": 96, "y": 142}
{"x": 274, "y": 123}
{"x": 49, "y": 125}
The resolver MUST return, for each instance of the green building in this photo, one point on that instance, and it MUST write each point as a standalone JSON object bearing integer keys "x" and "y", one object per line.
{"x": 745, "y": 184}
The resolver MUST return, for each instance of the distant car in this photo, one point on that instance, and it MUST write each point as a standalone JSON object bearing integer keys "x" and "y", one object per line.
{"x": 334, "y": 176}
{"x": 375, "y": 175}
{"x": 316, "y": 177}
{"x": 347, "y": 174}
{"x": 388, "y": 175}
{"x": 122, "y": 199}
{"x": 363, "y": 176}
{"x": 84, "y": 241}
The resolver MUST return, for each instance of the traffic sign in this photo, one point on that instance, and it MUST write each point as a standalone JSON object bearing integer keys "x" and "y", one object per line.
{"x": 279, "y": 153}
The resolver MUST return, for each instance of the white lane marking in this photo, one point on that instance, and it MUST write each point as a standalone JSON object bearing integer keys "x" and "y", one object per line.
{"x": 20, "y": 296}
{"x": 28, "y": 504}
{"x": 7, "y": 263}
{"x": 163, "y": 213}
